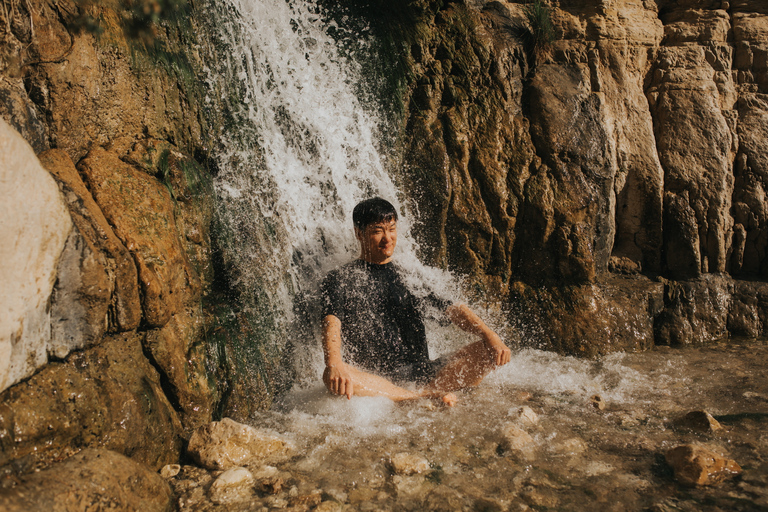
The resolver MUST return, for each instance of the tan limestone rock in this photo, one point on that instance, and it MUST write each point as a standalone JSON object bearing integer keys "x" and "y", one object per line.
{"x": 98, "y": 237}
{"x": 404, "y": 463}
{"x": 34, "y": 229}
{"x": 227, "y": 443}
{"x": 696, "y": 465}
{"x": 233, "y": 485}
{"x": 107, "y": 396}
{"x": 142, "y": 215}
{"x": 91, "y": 480}
{"x": 517, "y": 442}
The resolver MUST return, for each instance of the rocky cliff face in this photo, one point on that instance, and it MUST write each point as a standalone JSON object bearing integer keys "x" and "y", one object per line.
{"x": 102, "y": 327}
{"x": 614, "y": 189}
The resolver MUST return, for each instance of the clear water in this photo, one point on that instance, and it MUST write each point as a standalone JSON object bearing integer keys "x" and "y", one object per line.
{"x": 580, "y": 457}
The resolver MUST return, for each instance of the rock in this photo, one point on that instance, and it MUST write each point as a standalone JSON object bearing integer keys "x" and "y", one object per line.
{"x": 227, "y": 443}
{"x": 328, "y": 506}
{"x": 306, "y": 501}
{"x": 408, "y": 464}
{"x": 35, "y": 227}
{"x": 597, "y": 402}
{"x": 91, "y": 480}
{"x": 442, "y": 498}
{"x": 170, "y": 471}
{"x": 696, "y": 465}
{"x": 143, "y": 217}
{"x": 177, "y": 352}
{"x": 233, "y": 485}
{"x": 107, "y": 396}
{"x": 699, "y": 420}
{"x": 121, "y": 304}
{"x": 524, "y": 415}
{"x": 571, "y": 447}
{"x": 517, "y": 442}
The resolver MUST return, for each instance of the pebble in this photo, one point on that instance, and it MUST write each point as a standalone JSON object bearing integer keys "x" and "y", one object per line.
{"x": 234, "y": 484}
{"x": 408, "y": 464}
{"x": 524, "y": 415}
{"x": 170, "y": 471}
{"x": 517, "y": 442}
{"x": 700, "y": 420}
{"x": 696, "y": 465}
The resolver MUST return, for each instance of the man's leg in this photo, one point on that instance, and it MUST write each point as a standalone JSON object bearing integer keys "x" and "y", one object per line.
{"x": 368, "y": 384}
{"x": 467, "y": 367}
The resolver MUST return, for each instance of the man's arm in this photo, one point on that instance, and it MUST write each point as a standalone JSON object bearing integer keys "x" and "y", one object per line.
{"x": 336, "y": 377}
{"x": 468, "y": 321}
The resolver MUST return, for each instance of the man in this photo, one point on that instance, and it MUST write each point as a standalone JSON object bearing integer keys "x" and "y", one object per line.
{"x": 369, "y": 311}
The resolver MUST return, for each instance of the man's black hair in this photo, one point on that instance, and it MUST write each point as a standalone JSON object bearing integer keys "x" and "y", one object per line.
{"x": 371, "y": 211}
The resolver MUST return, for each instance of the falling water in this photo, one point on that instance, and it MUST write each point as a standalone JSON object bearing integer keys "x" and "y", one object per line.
{"x": 301, "y": 151}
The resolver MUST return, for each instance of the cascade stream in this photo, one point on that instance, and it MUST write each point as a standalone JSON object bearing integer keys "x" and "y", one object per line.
{"x": 306, "y": 149}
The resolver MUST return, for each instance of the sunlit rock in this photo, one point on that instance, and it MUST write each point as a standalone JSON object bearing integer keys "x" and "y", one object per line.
{"x": 234, "y": 484}
{"x": 90, "y": 480}
{"x": 524, "y": 416}
{"x": 696, "y": 465}
{"x": 170, "y": 471}
{"x": 35, "y": 226}
{"x": 700, "y": 420}
{"x": 408, "y": 464}
{"x": 142, "y": 213}
{"x": 227, "y": 443}
{"x": 517, "y": 442}
{"x": 101, "y": 256}
{"x": 597, "y": 402}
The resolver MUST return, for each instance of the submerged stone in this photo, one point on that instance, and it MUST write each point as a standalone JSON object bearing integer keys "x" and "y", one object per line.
{"x": 700, "y": 420}
{"x": 409, "y": 464}
{"x": 518, "y": 442}
{"x": 696, "y": 465}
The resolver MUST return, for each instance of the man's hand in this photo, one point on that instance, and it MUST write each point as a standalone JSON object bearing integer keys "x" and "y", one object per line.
{"x": 501, "y": 353}
{"x": 338, "y": 380}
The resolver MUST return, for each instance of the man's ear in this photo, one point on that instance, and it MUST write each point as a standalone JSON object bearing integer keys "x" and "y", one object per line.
{"x": 359, "y": 234}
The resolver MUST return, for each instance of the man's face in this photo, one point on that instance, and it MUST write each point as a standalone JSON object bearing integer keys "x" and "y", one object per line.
{"x": 377, "y": 241}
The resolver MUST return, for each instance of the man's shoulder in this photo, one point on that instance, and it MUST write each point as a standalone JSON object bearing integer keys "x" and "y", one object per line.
{"x": 344, "y": 272}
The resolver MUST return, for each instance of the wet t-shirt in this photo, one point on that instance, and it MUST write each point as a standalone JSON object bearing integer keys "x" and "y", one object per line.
{"x": 382, "y": 329}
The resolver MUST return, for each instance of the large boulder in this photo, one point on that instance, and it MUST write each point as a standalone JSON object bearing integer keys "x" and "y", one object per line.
{"x": 107, "y": 396}
{"x": 34, "y": 229}
{"x": 91, "y": 480}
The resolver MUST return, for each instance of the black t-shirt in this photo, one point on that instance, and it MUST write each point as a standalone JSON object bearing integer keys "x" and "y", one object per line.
{"x": 382, "y": 330}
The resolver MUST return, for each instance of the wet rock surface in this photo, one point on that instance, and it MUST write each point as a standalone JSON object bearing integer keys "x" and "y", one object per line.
{"x": 619, "y": 458}
{"x": 91, "y": 480}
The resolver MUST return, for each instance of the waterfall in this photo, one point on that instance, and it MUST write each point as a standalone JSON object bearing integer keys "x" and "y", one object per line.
{"x": 300, "y": 151}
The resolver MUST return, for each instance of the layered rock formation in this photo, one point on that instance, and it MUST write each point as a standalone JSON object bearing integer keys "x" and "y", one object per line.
{"x": 627, "y": 160}
{"x": 102, "y": 330}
